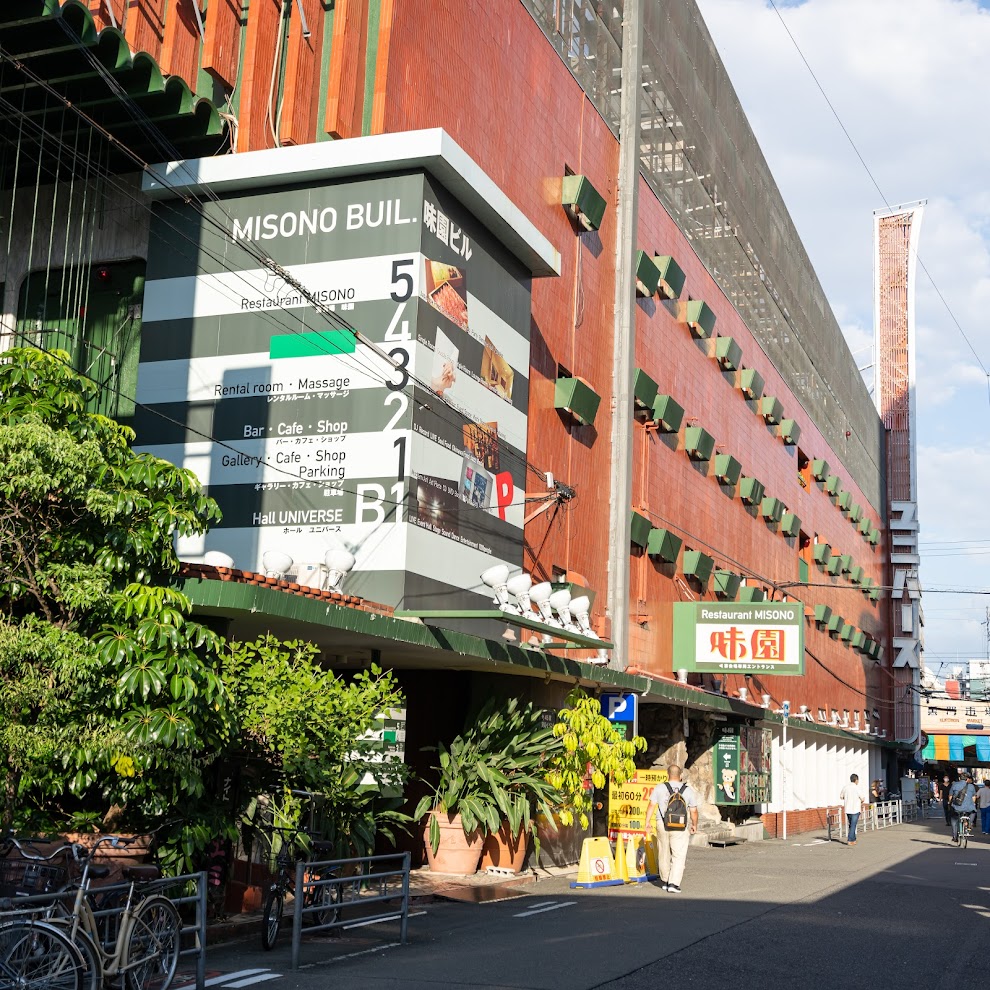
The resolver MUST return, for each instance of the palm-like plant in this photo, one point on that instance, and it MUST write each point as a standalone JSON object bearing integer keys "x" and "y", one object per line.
{"x": 491, "y": 773}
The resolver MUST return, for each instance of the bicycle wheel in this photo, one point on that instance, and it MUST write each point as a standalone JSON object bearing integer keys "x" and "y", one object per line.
{"x": 89, "y": 956}
{"x": 152, "y": 951}
{"x": 272, "y": 917}
{"x": 37, "y": 956}
{"x": 326, "y": 900}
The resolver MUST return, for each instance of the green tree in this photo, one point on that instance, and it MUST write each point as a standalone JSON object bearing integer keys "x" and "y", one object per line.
{"x": 593, "y": 750}
{"x": 119, "y": 681}
{"x": 303, "y": 726}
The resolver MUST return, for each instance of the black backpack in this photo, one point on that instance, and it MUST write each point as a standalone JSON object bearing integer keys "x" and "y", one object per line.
{"x": 676, "y": 816}
{"x": 960, "y": 796}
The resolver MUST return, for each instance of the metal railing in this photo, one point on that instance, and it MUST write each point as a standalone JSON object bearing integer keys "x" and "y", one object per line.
{"x": 882, "y": 814}
{"x": 350, "y": 892}
{"x": 176, "y": 889}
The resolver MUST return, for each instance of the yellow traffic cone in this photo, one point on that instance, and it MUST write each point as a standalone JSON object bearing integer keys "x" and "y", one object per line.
{"x": 597, "y": 867}
{"x": 622, "y": 865}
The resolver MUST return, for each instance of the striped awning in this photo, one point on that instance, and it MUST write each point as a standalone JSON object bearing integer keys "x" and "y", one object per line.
{"x": 952, "y": 749}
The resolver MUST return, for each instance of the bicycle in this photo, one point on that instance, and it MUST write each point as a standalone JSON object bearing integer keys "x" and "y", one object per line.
{"x": 35, "y": 955}
{"x": 326, "y": 897}
{"x": 140, "y": 947}
{"x": 965, "y": 830}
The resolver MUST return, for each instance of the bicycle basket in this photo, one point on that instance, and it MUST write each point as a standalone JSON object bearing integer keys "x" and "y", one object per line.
{"x": 22, "y": 878}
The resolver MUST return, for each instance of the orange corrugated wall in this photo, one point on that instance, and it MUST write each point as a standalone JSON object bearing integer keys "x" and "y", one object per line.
{"x": 222, "y": 49}
{"x": 301, "y": 96}
{"x": 345, "y": 93}
{"x": 263, "y": 21}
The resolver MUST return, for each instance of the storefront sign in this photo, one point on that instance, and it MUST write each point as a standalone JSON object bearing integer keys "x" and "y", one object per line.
{"x": 622, "y": 710}
{"x": 309, "y": 439}
{"x": 627, "y": 802}
{"x": 764, "y": 637}
{"x": 951, "y": 716}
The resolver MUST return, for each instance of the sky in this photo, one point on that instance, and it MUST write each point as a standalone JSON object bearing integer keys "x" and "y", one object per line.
{"x": 909, "y": 80}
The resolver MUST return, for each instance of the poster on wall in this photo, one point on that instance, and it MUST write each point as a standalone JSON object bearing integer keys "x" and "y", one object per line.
{"x": 310, "y": 441}
{"x": 734, "y": 637}
{"x": 741, "y": 764}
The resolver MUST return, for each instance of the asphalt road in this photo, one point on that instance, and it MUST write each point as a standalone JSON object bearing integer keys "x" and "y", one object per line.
{"x": 904, "y": 905}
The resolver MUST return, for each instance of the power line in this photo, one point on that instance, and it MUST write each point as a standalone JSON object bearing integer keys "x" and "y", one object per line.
{"x": 876, "y": 184}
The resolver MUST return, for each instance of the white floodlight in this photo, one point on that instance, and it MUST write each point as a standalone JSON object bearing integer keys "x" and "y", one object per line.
{"x": 560, "y": 601}
{"x": 540, "y": 593}
{"x": 214, "y": 558}
{"x": 765, "y": 700}
{"x": 743, "y": 694}
{"x": 339, "y": 563}
{"x": 276, "y": 564}
{"x": 601, "y": 659}
{"x": 519, "y": 585}
{"x": 495, "y": 577}
{"x": 682, "y": 676}
{"x": 580, "y": 607}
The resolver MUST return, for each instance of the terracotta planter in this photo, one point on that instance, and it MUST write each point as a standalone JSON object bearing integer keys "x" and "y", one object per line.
{"x": 503, "y": 850}
{"x": 457, "y": 852}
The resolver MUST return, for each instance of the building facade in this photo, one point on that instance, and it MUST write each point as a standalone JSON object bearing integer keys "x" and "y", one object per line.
{"x": 322, "y": 146}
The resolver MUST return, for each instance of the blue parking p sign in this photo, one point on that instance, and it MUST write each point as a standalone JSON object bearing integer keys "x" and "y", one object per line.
{"x": 622, "y": 710}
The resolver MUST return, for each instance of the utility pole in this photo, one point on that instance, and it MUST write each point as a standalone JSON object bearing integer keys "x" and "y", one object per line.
{"x": 624, "y": 345}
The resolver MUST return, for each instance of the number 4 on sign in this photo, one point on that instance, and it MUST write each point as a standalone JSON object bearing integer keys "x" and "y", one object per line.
{"x": 398, "y": 329}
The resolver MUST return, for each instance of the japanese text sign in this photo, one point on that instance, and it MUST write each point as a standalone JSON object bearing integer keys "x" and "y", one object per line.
{"x": 732, "y": 637}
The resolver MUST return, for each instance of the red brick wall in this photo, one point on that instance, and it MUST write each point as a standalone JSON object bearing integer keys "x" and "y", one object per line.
{"x": 484, "y": 72}
{"x": 809, "y": 820}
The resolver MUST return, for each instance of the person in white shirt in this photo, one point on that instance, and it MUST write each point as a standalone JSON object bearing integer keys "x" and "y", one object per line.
{"x": 852, "y": 799}
{"x": 983, "y": 802}
{"x": 673, "y": 842}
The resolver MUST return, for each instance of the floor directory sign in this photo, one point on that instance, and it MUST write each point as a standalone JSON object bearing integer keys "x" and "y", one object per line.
{"x": 406, "y": 454}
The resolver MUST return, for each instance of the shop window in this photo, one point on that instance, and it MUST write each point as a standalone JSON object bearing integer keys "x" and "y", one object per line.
{"x": 804, "y": 469}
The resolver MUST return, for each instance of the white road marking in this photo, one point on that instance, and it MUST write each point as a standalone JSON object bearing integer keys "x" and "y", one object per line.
{"x": 544, "y": 909}
{"x": 965, "y": 864}
{"x": 351, "y": 955}
{"x": 226, "y": 978}
{"x": 251, "y": 980}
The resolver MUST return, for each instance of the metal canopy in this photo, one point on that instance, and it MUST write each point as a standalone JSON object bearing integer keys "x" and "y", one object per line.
{"x": 51, "y": 55}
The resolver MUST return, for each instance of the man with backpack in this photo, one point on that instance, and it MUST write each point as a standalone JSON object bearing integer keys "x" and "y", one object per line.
{"x": 962, "y": 803}
{"x": 673, "y": 808}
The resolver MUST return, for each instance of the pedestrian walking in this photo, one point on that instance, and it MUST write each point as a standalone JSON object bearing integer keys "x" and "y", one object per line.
{"x": 983, "y": 800}
{"x": 946, "y": 788}
{"x": 673, "y": 808}
{"x": 962, "y": 803}
{"x": 853, "y": 801}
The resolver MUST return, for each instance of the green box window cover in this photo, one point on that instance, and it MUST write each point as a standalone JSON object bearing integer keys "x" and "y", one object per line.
{"x": 858, "y": 640}
{"x": 583, "y": 201}
{"x": 789, "y": 431}
{"x": 821, "y": 553}
{"x": 834, "y": 565}
{"x": 578, "y": 398}
{"x": 856, "y": 575}
{"x": 699, "y": 443}
{"x": 874, "y": 536}
{"x": 804, "y": 572}
{"x": 771, "y": 509}
{"x": 727, "y": 469}
{"x": 790, "y": 524}
{"x": 834, "y": 485}
{"x": 671, "y": 276}
{"x": 697, "y": 565}
{"x": 667, "y": 414}
{"x": 639, "y": 530}
{"x": 865, "y": 527}
{"x": 844, "y": 501}
{"x": 750, "y": 383}
{"x": 819, "y": 469}
{"x": 751, "y": 491}
{"x": 727, "y": 584}
{"x": 835, "y": 623}
{"x": 663, "y": 544}
{"x": 822, "y": 614}
{"x": 855, "y": 512}
{"x": 644, "y": 390}
{"x": 846, "y": 562}
{"x": 750, "y": 593}
{"x": 647, "y": 275}
{"x": 698, "y": 315}
{"x": 771, "y": 408}
{"x": 847, "y": 631}
{"x": 728, "y": 353}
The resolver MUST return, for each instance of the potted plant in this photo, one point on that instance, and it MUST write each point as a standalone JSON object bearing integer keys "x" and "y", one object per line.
{"x": 489, "y": 784}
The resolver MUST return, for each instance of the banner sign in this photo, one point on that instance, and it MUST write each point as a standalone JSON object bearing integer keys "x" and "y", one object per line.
{"x": 627, "y": 802}
{"x": 734, "y": 637}
{"x": 949, "y": 716}
{"x": 308, "y": 438}
{"x": 742, "y": 765}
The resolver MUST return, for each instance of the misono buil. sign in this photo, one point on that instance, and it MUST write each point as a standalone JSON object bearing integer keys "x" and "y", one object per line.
{"x": 736, "y": 637}
{"x": 309, "y": 439}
